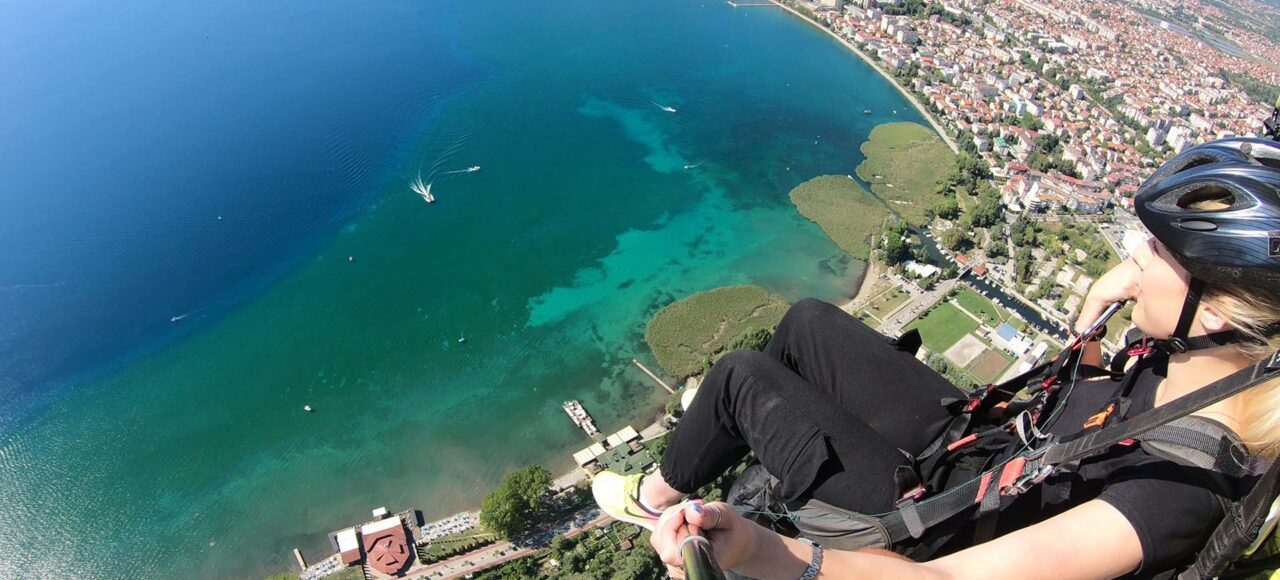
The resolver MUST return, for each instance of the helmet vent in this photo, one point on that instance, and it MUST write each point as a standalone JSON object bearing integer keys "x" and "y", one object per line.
{"x": 1208, "y": 197}
{"x": 1198, "y": 225}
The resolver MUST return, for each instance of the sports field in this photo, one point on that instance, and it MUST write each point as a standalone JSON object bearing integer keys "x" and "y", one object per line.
{"x": 943, "y": 326}
{"x": 988, "y": 366}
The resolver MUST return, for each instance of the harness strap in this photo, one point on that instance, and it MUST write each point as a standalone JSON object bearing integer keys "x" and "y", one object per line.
{"x": 1219, "y": 390}
{"x": 1243, "y": 523}
{"x": 1202, "y": 443}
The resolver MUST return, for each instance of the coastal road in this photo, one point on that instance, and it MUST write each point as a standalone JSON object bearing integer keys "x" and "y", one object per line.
{"x": 503, "y": 552}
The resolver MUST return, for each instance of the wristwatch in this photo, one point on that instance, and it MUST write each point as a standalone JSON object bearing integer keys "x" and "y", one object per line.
{"x": 815, "y": 563}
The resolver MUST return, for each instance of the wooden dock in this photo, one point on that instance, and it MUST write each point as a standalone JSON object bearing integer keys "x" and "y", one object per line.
{"x": 653, "y": 376}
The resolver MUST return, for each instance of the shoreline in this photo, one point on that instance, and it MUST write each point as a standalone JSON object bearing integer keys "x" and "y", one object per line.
{"x": 869, "y": 274}
{"x": 933, "y": 122}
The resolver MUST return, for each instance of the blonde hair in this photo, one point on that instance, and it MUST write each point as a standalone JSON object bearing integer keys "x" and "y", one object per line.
{"x": 1250, "y": 312}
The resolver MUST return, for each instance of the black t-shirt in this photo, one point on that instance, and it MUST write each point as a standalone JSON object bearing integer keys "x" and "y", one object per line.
{"x": 1172, "y": 507}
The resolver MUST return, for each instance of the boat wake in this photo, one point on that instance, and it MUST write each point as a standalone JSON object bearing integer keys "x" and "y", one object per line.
{"x": 421, "y": 189}
{"x": 666, "y": 108}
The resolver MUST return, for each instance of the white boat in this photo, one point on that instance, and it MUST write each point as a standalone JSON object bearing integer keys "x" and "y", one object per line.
{"x": 307, "y": 408}
{"x": 422, "y": 190}
{"x": 666, "y": 108}
{"x": 473, "y": 169}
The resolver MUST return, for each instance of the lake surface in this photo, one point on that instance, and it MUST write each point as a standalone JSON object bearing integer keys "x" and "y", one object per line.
{"x": 207, "y": 224}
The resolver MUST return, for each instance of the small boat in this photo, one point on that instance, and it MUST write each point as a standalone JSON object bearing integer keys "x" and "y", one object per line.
{"x": 422, "y": 190}
{"x": 895, "y": 111}
{"x": 307, "y": 408}
{"x": 462, "y": 339}
{"x": 692, "y": 166}
{"x": 666, "y": 108}
{"x": 473, "y": 169}
{"x": 866, "y": 111}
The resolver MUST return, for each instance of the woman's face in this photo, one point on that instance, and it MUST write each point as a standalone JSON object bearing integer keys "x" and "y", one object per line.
{"x": 1162, "y": 289}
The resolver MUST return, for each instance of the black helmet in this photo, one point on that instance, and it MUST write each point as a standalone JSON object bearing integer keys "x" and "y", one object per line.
{"x": 1238, "y": 244}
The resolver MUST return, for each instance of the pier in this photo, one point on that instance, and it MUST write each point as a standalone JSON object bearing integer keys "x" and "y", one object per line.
{"x": 749, "y": 4}
{"x": 653, "y": 376}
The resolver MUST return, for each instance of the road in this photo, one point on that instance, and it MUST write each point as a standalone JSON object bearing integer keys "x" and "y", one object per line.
{"x": 504, "y": 551}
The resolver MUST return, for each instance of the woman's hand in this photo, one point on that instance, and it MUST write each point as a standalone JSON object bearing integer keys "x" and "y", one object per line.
{"x": 733, "y": 538}
{"x": 1119, "y": 284}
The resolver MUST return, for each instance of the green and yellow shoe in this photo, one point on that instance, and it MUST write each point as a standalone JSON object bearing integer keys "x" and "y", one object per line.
{"x": 619, "y": 496}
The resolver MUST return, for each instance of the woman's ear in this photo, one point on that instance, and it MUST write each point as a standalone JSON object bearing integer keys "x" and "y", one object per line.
{"x": 1212, "y": 319}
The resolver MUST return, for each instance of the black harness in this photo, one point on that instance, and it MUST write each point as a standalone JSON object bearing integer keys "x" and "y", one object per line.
{"x": 1167, "y": 431}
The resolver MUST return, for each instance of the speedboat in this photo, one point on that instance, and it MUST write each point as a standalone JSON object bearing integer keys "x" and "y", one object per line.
{"x": 866, "y": 111}
{"x": 423, "y": 190}
{"x": 473, "y": 169}
{"x": 666, "y": 108}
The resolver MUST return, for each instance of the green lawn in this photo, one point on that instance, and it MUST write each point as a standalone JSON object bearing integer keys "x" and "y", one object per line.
{"x": 1085, "y": 236}
{"x": 943, "y": 326}
{"x": 848, "y": 214}
{"x": 980, "y": 306}
{"x": 885, "y": 303}
{"x": 910, "y": 158}
{"x": 686, "y": 332}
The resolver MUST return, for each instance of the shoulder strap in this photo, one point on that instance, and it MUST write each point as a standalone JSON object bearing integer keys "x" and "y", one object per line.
{"x": 1202, "y": 443}
{"x": 1231, "y": 385}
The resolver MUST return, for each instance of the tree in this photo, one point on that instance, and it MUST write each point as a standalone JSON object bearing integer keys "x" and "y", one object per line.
{"x": 896, "y": 251}
{"x": 957, "y": 239}
{"x": 947, "y": 208}
{"x": 1024, "y": 264}
{"x": 510, "y": 510}
{"x": 754, "y": 340}
{"x": 1027, "y": 121}
{"x": 988, "y": 212}
{"x": 997, "y": 250}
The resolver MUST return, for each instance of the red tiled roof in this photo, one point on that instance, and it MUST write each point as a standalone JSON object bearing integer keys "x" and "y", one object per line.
{"x": 388, "y": 550}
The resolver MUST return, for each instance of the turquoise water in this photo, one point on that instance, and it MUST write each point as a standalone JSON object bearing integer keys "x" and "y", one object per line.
{"x": 182, "y": 450}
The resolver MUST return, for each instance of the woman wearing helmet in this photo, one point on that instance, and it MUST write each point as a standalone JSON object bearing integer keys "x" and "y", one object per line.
{"x": 837, "y": 414}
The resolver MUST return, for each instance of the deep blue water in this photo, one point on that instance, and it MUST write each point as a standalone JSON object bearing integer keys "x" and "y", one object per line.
{"x": 205, "y": 223}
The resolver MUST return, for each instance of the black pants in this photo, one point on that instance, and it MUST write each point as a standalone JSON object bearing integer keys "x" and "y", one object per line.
{"x": 829, "y": 409}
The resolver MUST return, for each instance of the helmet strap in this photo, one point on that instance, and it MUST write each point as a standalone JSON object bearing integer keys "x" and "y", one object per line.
{"x": 1178, "y": 341}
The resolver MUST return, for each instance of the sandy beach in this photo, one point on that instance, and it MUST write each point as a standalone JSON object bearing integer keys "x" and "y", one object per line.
{"x": 937, "y": 127}
{"x": 869, "y": 277}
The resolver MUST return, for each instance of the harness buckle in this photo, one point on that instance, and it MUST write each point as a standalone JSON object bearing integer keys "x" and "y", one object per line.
{"x": 975, "y": 400}
{"x": 1030, "y": 480}
{"x": 913, "y": 495}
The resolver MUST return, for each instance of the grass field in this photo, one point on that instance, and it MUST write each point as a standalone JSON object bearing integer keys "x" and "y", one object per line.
{"x": 911, "y": 161}
{"x": 943, "y": 326}
{"x": 686, "y": 332}
{"x": 987, "y": 367}
{"x": 885, "y": 303}
{"x": 979, "y": 306}
{"x": 849, "y": 214}
{"x": 1085, "y": 236}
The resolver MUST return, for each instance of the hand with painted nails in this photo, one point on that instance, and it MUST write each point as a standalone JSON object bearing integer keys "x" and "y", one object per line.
{"x": 733, "y": 538}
